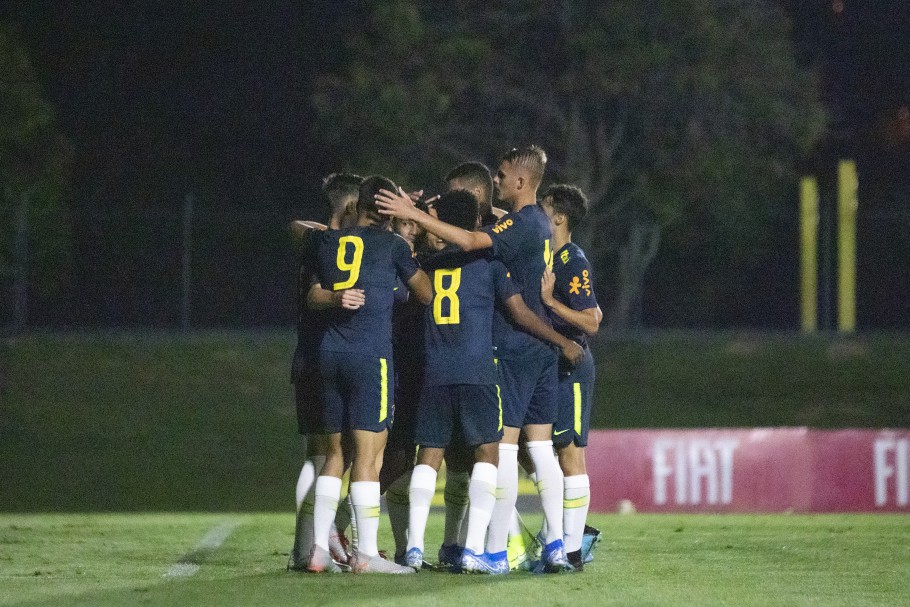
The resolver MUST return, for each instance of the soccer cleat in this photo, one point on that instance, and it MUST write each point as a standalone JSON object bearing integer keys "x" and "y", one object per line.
{"x": 553, "y": 559}
{"x": 412, "y": 558}
{"x": 340, "y": 548}
{"x": 321, "y": 561}
{"x": 450, "y": 556}
{"x": 575, "y": 561}
{"x": 589, "y": 542}
{"x": 376, "y": 564}
{"x": 491, "y": 564}
{"x": 523, "y": 550}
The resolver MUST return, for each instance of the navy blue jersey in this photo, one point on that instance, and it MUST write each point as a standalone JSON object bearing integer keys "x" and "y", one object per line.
{"x": 368, "y": 258}
{"x": 458, "y": 324}
{"x": 574, "y": 287}
{"x": 310, "y": 323}
{"x": 522, "y": 242}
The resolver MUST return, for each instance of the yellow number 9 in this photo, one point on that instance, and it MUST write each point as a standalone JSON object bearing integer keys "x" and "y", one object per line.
{"x": 354, "y": 266}
{"x": 443, "y": 292}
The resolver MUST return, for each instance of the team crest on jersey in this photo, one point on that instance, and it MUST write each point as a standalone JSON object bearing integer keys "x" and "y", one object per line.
{"x": 502, "y": 226}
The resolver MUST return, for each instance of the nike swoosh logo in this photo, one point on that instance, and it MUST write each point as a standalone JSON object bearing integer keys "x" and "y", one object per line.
{"x": 559, "y": 432}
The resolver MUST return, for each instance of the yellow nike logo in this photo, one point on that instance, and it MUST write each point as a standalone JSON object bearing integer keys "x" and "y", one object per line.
{"x": 558, "y": 432}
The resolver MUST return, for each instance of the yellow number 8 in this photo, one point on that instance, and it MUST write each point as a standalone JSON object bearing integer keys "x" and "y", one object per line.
{"x": 344, "y": 266}
{"x": 442, "y": 292}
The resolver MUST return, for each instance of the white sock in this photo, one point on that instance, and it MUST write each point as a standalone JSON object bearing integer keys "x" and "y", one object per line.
{"x": 506, "y": 495}
{"x": 456, "y": 501}
{"x": 423, "y": 486}
{"x": 365, "y": 499}
{"x": 575, "y": 509}
{"x": 549, "y": 486}
{"x": 306, "y": 497}
{"x": 482, "y": 492}
{"x": 327, "y": 493}
{"x": 543, "y": 524}
{"x": 305, "y": 482}
{"x": 398, "y": 504}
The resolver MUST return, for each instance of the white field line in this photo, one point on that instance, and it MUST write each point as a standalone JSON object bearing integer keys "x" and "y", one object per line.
{"x": 189, "y": 564}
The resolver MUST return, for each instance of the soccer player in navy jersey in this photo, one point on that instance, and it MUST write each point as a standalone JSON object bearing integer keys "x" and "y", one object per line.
{"x": 568, "y": 291}
{"x": 408, "y": 354}
{"x": 461, "y": 396}
{"x": 357, "y": 372}
{"x": 340, "y": 191}
{"x": 522, "y": 240}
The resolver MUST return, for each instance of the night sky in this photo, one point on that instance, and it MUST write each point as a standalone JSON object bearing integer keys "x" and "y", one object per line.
{"x": 165, "y": 98}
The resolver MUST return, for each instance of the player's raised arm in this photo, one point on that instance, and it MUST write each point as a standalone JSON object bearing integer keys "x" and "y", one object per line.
{"x": 399, "y": 204}
{"x": 525, "y": 318}
{"x": 321, "y": 299}
{"x": 587, "y": 320}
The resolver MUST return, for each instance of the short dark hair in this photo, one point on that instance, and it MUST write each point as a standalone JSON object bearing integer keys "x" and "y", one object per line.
{"x": 568, "y": 200}
{"x": 366, "y": 199}
{"x": 458, "y": 208}
{"x": 474, "y": 174}
{"x": 530, "y": 157}
{"x": 338, "y": 186}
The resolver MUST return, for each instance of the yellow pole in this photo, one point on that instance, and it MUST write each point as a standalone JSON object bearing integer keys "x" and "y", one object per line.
{"x": 808, "y": 205}
{"x": 847, "y": 204}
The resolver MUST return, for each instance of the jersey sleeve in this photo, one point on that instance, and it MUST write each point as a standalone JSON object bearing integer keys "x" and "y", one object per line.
{"x": 405, "y": 263}
{"x": 575, "y": 284}
{"x": 503, "y": 286}
{"x": 507, "y": 236}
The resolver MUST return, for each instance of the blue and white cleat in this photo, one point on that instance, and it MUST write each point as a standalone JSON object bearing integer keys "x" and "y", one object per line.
{"x": 589, "y": 542}
{"x": 490, "y": 564}
{"x": 450, "y": 556}
{"x": 413, "y": 558}
{"x": 553, "y": 559}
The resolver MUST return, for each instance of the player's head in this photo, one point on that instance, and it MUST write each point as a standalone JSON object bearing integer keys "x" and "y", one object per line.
{"x": 341, "y": 191}
{"x": 565, "y": 204}
{"x": 520, "y": 174}
{"x": 458, "y": 208}
{"x": 366, "y": 199}
{"x": 407, "y": 229}
{"x": 473, "y": 177}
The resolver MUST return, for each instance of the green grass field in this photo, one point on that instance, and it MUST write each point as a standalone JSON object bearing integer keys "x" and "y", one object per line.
{"x": 128, "y": 559}
{"x": 97, "y": 431}
{"x": 101, "y": 422}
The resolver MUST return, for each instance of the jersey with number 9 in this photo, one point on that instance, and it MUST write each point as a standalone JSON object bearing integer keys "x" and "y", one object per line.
{"x": 371, "y": 259}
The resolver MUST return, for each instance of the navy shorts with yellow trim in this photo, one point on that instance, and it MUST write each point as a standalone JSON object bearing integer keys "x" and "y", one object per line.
{"x": 473, "y": 413}
{"x": 574, "y": 415}
{"x": 357, "y": 391}
{"x": 529, "y": 389}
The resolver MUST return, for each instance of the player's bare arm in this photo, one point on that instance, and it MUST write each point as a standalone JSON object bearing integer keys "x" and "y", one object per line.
{"x": 399, "y": 204}
{"x": 531, "y": 323}
{"x": 420, "y": 287}
{"x": 584, "y": 320}
{"x": 321, "y": 299}
{"x": 300, "y": 227}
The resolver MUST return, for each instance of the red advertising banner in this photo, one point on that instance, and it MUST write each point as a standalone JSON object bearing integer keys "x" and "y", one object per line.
{"x": 750, "y": 470}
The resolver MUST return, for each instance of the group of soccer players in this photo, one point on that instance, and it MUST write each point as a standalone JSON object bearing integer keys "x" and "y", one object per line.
{"x": 463, "y": 332}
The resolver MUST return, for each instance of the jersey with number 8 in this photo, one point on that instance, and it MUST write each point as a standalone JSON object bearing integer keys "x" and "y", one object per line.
{"x": 458, "y": 326}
